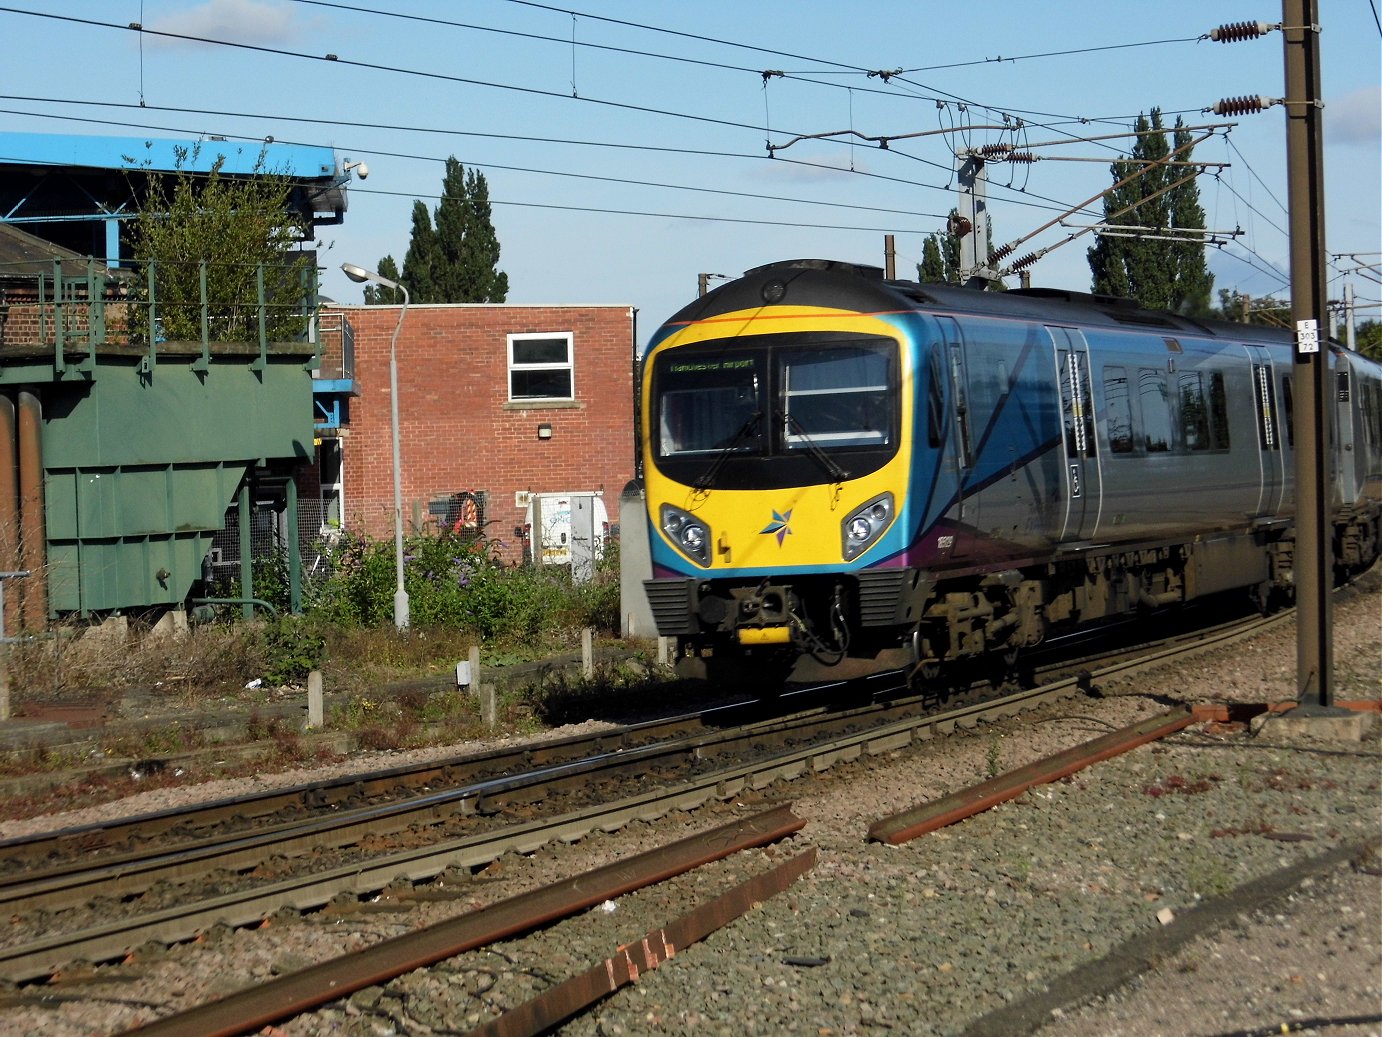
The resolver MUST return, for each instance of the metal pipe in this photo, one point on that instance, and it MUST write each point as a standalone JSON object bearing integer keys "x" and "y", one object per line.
{"x": 32, "y": 523}
{"x": 9, "y": 505}
{"x": 248, "y": 602}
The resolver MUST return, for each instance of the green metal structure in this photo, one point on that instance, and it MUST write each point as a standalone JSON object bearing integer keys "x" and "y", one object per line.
{"x": 143, "y": 443}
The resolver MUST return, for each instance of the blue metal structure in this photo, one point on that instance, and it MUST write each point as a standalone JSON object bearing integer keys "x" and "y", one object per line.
{"x": 74, "y": 190}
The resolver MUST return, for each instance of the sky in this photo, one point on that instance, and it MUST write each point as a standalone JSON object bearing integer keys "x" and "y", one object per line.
{"x": 630, "y": 147}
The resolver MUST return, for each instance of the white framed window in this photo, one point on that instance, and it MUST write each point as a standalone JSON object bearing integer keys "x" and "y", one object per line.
{"x": 332, "y": 476}
{"x": 541, "y": 366}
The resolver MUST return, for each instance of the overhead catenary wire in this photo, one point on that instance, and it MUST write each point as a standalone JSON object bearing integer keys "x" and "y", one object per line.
{"x": 1020, "y": 196}
{"x": 1026, "y": 201}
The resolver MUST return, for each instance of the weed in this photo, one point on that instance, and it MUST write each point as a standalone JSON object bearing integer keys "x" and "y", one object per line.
{"x": 991, "y": 758}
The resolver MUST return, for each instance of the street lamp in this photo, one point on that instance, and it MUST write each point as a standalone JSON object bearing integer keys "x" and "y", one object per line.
{"x": 400, "y": 595}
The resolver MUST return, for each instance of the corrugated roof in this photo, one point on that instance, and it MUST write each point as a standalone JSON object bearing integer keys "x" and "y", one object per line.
{"x": 23, "y": 255}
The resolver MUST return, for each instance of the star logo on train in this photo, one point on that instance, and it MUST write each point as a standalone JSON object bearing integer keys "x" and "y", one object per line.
{"x": 779, "y": 526}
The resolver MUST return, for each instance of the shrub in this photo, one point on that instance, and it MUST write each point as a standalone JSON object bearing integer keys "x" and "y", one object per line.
{"x": 461, "y": 583}
{"x": 293, "y": 648}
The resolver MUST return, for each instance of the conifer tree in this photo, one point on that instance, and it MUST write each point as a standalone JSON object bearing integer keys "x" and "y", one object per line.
{"x": 383, "y": 295}
{"x": 469, "y": 248}
{"x": 1157, "y": 272}
{"x": 453, "y": 254}
{"x": 940, "y": 255}
{"x": 421, "y": 258}
{"x": 931, "y": 269}
{"x": 1191, "y": 281}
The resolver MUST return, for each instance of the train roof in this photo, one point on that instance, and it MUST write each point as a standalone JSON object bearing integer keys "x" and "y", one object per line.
{"x": 854, "y": 286}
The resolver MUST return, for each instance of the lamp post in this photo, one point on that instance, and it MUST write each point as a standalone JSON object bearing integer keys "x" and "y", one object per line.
{"x": 400, "y": 596}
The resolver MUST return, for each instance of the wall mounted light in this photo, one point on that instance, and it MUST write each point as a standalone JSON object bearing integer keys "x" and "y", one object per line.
{"x": 544, "y": 431}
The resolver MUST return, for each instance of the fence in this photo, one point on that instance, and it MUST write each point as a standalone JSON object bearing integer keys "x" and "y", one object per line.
{"x": 460, "y": 514}
{"x": 269, "y": 546}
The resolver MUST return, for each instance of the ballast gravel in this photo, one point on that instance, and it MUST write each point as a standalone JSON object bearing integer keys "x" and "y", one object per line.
{"x": 970, "y": 930}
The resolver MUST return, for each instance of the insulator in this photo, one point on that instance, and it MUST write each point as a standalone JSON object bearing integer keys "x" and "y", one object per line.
{"x": 990, "y": 150}
{"x": 1001, "y": 252}
{"x": 1027, "y": 260}
{"x": 1242, "y": 105}
{"x": 959, "y": 226}
{"x": 1021, "y": 156}
{"x": 1237, "y": 32}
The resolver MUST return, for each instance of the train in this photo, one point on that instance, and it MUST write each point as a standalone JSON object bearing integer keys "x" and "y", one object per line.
{"x": 846, "y": 474}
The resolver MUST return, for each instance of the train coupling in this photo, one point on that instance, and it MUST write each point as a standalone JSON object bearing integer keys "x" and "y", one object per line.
{"x": 765, "y": 616}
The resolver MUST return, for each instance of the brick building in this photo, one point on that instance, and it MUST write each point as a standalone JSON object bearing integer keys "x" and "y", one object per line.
{"x": 497, "y": 401}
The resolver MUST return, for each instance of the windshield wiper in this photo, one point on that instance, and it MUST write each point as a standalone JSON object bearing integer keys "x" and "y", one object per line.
{"x": 832, "y": 469}
{"x": 706, "y": 479}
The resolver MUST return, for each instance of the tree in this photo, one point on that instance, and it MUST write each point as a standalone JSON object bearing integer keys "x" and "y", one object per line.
{"x": 1263, "y": 310}
{"x": 453, "y": 255}
{"x": 1368, "y": 338}
{"x": 469, "y": 270}
{"x": 1162, "y": 268}
{"x": 421, "y": 258}
{"x": 940, "y": 255}
{"x": 382, "y": 295}
{"x": 206, "y": 240}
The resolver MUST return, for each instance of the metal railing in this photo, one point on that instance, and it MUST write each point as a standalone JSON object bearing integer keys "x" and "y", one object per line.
{"x": 154, "y": 308}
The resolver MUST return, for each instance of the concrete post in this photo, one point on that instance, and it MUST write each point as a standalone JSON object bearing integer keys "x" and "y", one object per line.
{"x": 635, "y": 563}
{"x": 315, "y": 712}
{"x": 489, "y": 705}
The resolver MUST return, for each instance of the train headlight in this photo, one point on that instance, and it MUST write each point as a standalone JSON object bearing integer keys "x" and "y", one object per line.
{"x": 865, "y": 525}
{"x": 690, "y": 534}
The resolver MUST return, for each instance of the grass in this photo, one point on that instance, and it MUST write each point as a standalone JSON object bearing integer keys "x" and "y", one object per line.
{"x": 385, "y": 690}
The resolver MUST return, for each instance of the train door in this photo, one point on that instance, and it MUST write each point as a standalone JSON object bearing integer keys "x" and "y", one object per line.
{"x": 959, "y": 449}
{"x": 1349, "y": 480}
{"x": 1269, "y": 432}
{"x": 1083, "y": 478}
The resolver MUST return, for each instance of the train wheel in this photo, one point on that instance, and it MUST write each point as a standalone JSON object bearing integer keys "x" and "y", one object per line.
{"x": 924, "y": 675}
{"x": 1018, "y": 671}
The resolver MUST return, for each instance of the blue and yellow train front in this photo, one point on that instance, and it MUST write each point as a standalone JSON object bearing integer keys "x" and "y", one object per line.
{"x": 777, "y": 445}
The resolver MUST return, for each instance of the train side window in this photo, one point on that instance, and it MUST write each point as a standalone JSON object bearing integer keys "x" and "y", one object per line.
{"x": 935, "y": 400}
{"x": 1194, "y": 415}
{"x": 1289, "y": 412}
{"x": 1118, "y": 410}
{"x": 1154, "y": 399}
{"x": 957, "y": 379}
{"x": 1372, "y": 419}
{"x": 1218, "y": 412}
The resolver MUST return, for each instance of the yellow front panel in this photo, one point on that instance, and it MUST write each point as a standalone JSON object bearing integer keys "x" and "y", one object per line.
{"x": 796, "y": 527}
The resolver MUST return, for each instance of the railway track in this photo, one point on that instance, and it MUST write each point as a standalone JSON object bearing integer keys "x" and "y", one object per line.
{"x": 689, "y": 765}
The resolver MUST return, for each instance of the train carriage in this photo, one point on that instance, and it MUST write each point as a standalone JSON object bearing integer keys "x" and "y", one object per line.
{"x": 847, "y": 474}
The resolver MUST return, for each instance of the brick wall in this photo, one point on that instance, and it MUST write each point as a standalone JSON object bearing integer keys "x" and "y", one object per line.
{"x": 458, "y": 430}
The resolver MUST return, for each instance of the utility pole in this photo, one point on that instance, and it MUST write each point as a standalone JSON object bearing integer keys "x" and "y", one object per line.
{"x": 703, "y": 282}
{"x": 972, "y": 224}
{"x": 1352, "y": 328}
{"x": 1314, "y": 563}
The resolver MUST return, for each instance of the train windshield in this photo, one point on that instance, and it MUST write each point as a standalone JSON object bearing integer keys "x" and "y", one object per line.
{"x": 745, "y": 403}
{"x": 834, "y": 397}
{"x": 709, "y": 404}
